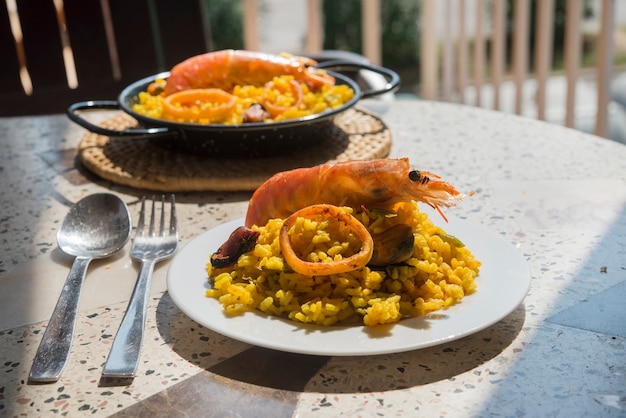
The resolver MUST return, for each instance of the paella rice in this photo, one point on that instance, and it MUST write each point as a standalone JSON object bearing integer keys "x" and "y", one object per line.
{"x": 440, "y": 273}
{"x": 278, "y": 96}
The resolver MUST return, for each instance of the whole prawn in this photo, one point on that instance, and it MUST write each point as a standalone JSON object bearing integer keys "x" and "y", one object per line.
{"x": 372, "y": 184}
{"x": 228, "y": 68}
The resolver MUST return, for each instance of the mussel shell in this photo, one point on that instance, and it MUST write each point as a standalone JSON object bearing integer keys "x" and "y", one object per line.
{"x": 393, "y": 246}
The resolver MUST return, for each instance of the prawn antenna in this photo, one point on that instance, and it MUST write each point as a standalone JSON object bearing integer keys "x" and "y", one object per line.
{"x": 438, "y": 209}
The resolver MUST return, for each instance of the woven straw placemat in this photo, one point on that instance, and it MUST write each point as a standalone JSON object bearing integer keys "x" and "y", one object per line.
{"x": 143, "y": 164}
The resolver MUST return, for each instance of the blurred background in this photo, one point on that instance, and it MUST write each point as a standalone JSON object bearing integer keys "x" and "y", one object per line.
{"x": 283, "y": 27}
{"x": 563, "y": 61}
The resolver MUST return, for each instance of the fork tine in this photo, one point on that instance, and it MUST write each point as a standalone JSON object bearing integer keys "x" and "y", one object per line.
{"x": 140, "y": 223}
{"x": 151, "y": 233}
{"x": 162, "y": 223}
{"x": 173, "y": 227}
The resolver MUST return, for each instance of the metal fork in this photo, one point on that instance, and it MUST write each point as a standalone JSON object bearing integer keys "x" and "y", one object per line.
{"x": 148, "y": 249}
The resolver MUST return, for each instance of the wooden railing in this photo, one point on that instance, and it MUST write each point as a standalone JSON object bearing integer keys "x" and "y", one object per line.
{"x": 438, "y": 80}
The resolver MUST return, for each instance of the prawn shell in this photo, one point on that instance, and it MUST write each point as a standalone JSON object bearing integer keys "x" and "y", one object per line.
{"x": 371, "y": 184}
{"x": 227, "y": 68}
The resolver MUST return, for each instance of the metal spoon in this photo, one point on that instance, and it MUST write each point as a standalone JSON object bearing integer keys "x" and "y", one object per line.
{"x": 95, "y": 227}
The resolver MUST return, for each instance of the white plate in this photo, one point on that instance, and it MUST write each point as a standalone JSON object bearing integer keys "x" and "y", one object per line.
{"x": 503, "y": 282}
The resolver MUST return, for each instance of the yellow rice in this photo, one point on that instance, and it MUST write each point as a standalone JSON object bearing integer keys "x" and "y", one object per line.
{"x": 439, "y": 274}
{"x": 313, "y": 102}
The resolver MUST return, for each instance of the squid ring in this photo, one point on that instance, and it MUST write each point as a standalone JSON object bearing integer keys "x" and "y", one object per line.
{"x": 187, "y": 104}
{"x": 276, "y": 110}
{"x": 354, "y": 262}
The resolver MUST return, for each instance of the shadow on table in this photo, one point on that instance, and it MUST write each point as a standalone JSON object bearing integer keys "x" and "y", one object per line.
{"x": 351, "y": 374}
{"x": 198, "y": 197}
{"x": 582, "y": 334}
{"x": 67, "y": 164}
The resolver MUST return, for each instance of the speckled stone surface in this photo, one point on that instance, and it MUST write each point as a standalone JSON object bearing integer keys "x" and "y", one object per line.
{"x": 558, "y": 195}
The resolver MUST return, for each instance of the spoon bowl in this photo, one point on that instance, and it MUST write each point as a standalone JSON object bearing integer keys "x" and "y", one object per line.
{"x": 95, "y": 227}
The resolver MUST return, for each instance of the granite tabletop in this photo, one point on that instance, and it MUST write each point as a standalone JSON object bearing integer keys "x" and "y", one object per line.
{"x": 557, "y": 195}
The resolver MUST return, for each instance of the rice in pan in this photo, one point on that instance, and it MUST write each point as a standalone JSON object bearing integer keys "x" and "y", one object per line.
{"x": 283, "y": 100}
{"x": 440, "y": 272}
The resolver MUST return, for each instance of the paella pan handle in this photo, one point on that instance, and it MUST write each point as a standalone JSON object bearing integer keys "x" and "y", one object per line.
{"x": 111, "y": 104}
{"x": 392, "y": 78}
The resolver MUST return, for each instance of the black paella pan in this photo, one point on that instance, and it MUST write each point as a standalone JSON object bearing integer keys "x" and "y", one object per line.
{"x": 246, "y": 139}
